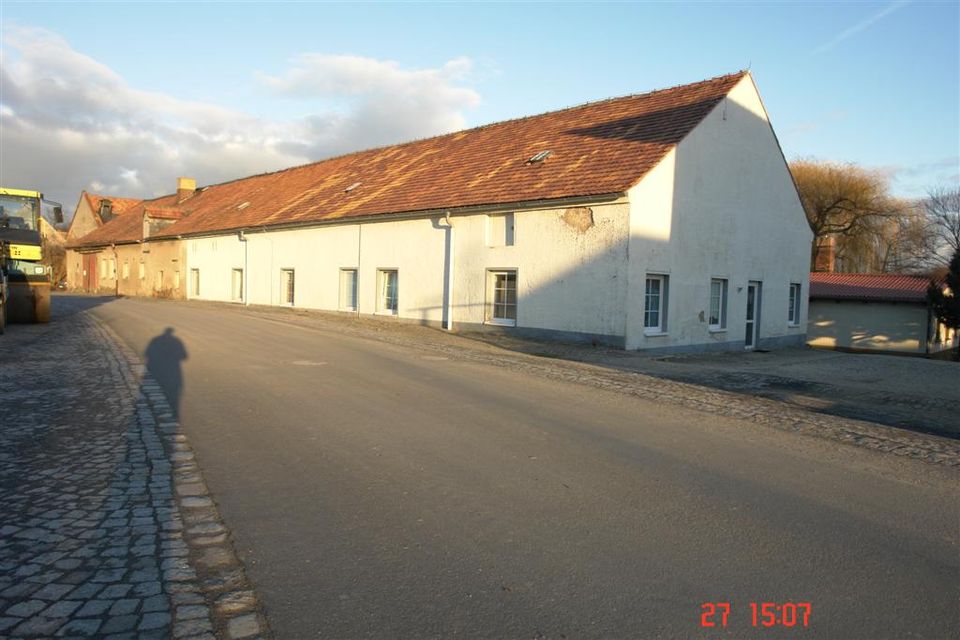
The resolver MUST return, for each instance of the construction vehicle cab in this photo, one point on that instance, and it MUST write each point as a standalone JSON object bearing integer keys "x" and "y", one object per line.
{"x": 24, "y": 280}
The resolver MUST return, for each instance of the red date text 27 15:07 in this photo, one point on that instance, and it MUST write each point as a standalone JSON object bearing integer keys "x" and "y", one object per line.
{"x": 763, "y": 614}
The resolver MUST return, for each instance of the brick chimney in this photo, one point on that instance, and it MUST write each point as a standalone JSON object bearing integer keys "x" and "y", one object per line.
{"x": 826, "y": 259}
{"x": 185, "y": 188}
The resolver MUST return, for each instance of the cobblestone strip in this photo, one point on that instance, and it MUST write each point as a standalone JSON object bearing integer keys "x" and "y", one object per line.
{"x": 942, "y": 451}
{"x": 106, "y": 528}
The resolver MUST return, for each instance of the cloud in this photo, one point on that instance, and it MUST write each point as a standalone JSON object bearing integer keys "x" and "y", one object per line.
{"x": 70, "y": 122}
{"x": 860, "y": 26}
{"x": 385, "y": 103}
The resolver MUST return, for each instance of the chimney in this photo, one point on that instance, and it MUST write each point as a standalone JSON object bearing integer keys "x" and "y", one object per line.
{"x": 826, "y": 259}
{"x": 185, "y": 188}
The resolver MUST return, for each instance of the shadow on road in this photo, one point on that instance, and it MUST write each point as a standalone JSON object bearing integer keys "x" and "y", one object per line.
{"x": 163, "y": 355}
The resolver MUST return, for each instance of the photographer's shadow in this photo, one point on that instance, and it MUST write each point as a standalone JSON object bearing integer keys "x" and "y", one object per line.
{"x": 164, "y": 355}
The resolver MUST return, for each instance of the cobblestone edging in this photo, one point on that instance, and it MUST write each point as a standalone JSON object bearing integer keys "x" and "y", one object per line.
{"x": 779, "y": 415}
{"x": 769, "y": 412}
{"x": 106, "y": 526}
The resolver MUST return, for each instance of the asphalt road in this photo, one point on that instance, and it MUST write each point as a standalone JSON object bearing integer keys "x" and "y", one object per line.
{"x": 378, "y": 491}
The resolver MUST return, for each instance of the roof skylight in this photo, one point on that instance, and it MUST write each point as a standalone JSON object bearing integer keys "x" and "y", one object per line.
{"x": 540, "y": 157}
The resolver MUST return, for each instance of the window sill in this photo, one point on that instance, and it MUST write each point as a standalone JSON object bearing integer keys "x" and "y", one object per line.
{"x": 385, "y": 313}
{"x": 347, "y": 309}
{"x": 718, "y": 329}
{"x": 655, "y": 334}
{"x": 791, "y": 325}
{"x": 502, "y": 323}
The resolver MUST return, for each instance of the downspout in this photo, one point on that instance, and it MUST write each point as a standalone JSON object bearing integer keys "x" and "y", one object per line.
{"x": 116, "y": 271}
{"x": 449, "y": 300}
{"x": 356, "y": 302}
{"x": 246, "y": 273}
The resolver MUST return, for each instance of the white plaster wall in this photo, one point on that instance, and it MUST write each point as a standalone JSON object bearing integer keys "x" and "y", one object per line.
{"x": 567, "y": 279}
{"x": 877, "y": 326}
{"x": 720, "y": 205}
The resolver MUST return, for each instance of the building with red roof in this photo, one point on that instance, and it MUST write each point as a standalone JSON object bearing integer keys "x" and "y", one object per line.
{"x": 877, "y": 312}
{"x": 666, "y": 220}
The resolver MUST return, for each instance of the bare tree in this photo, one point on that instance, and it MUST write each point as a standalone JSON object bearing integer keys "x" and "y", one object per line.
{"x": 942, "y": 208}
{"x": 847, "y": 202}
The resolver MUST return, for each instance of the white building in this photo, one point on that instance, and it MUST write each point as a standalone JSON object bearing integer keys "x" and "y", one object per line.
{"x": 667, "y": 220}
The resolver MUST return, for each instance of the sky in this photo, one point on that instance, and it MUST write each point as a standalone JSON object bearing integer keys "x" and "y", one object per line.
{"x": 120, "y": 98}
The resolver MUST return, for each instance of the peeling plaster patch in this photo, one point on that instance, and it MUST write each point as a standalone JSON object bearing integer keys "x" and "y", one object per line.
{"x": 578, "y": 218}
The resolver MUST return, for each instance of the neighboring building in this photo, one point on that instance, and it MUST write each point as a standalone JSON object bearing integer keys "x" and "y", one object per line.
{"x": 91, "y": 213}
{"x": 874, "y": 312}
{"x": 667, "y": 220}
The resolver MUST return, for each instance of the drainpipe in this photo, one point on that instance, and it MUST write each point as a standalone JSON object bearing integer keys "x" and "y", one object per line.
{"x": 449, "y": 300}
{"x": 116, "y": 272}
{"x": 356, "y": 301}
{"x": 246, "y": 274}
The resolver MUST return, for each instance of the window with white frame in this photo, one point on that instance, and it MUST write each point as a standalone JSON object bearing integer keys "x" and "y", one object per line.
{"x": 793, "y": 314}
{"x": 500, "y": 230}
{"x": 655, "y": 304}
{"x": 286, "y": 286}
{"x": 236, "y": 285}
{"x": 348, "y": 289}
{"x": 176, "y": 279}
{"x": 195, "y": 282}
{"x": 718, "y": 304}
{"x": 502, "y": 297}
{"x": 143, "y": 273}
{"x": 387, "y": 288}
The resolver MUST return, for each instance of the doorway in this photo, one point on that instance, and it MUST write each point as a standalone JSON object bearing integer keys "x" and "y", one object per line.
{"x": 752, "y": 334}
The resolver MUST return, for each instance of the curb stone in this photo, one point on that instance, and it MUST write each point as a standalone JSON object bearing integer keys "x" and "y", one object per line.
{"x": 205, "y": 569}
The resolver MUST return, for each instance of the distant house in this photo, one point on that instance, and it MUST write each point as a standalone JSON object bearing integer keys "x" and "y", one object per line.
{"x": 92, "y": 212}
{"x": 661, "y": 221}
{"x": 874, "y": 312}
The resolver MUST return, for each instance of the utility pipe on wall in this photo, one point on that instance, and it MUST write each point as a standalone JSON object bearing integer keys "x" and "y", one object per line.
{"x": 449, "y": 300}
{"x": 246, "y": 274}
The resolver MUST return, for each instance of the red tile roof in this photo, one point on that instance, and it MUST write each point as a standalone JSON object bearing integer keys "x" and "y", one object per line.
{"x": 164, "y": 213}
{"x": 596, "y": 149}
{"x": 879, "y": 287}
{"x": 128, "y": 227}
{"x": 119, "y": 206}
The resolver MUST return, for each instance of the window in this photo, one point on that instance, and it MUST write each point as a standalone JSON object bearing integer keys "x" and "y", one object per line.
{"x": 388, "y": 293}
{"x": 286, "y": 286}
{"x": 103, "y": 267}
{"x": 158, "y": 281}
{"x": 195, "y": 281}
{"x": 793, "y": 313}
{"x": 655, "y": 305}
{"x": 126, "y": 269}
{"x": 176, "y": 279}
{"x": 348, "y": 289}
{"x": 502, "y": 297}
{"x": 500, "y": 230}
{"x": 143, "y": 273}
{"x": 718, "y": 304}
{"x": 236, "y": 285}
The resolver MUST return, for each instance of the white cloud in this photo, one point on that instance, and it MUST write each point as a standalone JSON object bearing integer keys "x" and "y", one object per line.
{"x": 71, "y": 123}
{"x": 373, "y": 101}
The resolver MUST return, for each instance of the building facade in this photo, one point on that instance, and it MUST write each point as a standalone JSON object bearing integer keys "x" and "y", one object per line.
{"x": 666, "y": 221}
